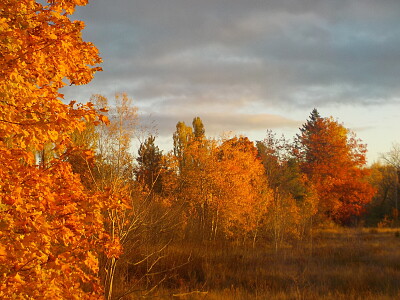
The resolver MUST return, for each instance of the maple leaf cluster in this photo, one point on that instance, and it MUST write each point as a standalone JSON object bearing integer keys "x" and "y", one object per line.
{"x": 51, "y": 226}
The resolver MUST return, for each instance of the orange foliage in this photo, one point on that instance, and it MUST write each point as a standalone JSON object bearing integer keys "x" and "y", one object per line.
{"x": 222, "y": 187}
{"x": 245, "y": 193}
{"x": 333, "y": 159}
{"x": 51, "y": 228}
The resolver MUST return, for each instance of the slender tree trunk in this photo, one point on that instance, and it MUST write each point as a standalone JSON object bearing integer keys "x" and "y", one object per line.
{"x": 255, "y": 234}
{"x": 109, "y": 280}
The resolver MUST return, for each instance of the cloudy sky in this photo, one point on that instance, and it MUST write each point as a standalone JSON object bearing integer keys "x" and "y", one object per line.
{"x": 248, "y": 66}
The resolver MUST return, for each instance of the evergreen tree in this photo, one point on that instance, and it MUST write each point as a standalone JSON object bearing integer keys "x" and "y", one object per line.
{"x": 150, "y": 165}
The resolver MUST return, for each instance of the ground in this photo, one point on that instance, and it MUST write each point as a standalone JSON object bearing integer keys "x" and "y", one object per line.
{"x": 334, "y": 264}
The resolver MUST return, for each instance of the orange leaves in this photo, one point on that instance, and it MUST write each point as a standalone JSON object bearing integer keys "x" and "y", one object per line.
{"x": 49, "y": 222}
{"x": 55, "y": 224}
{"x": 3, "y": 253}
{"x": 244, "y": 185}
{"x": 333, "y": 160}
{"x": 92, "y": 263}
{"x": 104, "y": 119}
{"x": 113, "y": 249}
{"x": 17, "y": 278}
{"x": 52, "y": 36}
{"x": 222, "y": 184}
{"x": 40, "y": 48}
{"x": 53, "y": 135}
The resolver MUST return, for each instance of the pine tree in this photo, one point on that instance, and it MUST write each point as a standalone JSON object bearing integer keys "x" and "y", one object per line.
{"x": 149, "y": 169}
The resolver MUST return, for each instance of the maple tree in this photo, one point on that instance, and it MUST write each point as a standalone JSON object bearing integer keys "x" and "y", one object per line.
{"x": 333, "y": 159}
{"x": 51, "y": 226}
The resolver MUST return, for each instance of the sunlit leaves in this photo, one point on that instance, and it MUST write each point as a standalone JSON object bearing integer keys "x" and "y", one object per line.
{"x": 48, "y": 221}
{"x": 40, "y": 48}
{"x": 333, "y": 159}
{"x": 220, "y": 183}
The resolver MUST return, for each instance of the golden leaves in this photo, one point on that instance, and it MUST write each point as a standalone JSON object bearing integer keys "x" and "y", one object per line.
{"x": 49, "y": 222}
{"x": 223, "y": 183}
{"x": 53, "y": 135}
{"x": 92, "y": 263}
{"x": 17, "y": 278}
{"x": 40, "y": 47}
{"x": 113, "y": 249}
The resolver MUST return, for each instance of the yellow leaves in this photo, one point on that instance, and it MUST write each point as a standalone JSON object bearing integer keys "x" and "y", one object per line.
{"x": 15, "y": 76}
{"x": 3, "y": 24}
{"x": 52, "y": 36}
{"x": 222, "y": 181}
{"x": 53, "y": 135}
{"x": 92, "y": 263}
{"x": 18, "y": 279}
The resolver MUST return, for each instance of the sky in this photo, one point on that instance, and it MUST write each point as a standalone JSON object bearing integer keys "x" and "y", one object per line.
{"x": 246, "y": 66}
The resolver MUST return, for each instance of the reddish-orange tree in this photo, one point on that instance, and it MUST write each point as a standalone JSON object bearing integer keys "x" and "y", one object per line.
{"x": 333, "y": 160}
{"x": 51, "y": 227}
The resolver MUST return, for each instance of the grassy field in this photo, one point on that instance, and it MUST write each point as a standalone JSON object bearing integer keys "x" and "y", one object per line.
{"x": 337, "y": 264}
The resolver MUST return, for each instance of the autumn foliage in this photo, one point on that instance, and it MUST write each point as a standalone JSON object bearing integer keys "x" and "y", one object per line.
{"x": 333, "y": 160}
{"x": 73, "y": 200}
{"x": 51, "y": 227}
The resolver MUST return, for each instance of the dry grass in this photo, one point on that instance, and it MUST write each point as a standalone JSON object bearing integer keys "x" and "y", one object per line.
{"x": 342, "y": 264}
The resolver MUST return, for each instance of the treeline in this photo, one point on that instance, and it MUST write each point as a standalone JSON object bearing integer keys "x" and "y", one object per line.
{"x": 229, "y": 189}
{"x": 233, "y": 188}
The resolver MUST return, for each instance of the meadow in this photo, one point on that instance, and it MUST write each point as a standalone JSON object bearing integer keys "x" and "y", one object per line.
{"x": 340, "y": 263}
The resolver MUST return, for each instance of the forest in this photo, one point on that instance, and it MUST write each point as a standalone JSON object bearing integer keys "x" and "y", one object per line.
{"x": 84, "y": 216}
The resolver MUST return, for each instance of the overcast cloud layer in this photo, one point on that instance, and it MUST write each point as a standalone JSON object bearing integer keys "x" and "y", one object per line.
{"x": 247, "y": 65}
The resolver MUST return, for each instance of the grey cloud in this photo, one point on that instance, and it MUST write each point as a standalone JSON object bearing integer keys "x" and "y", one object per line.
{"x": 229, "y": 61}
{"x": 218, "y": 123}
{"x": 274, "y": 52}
